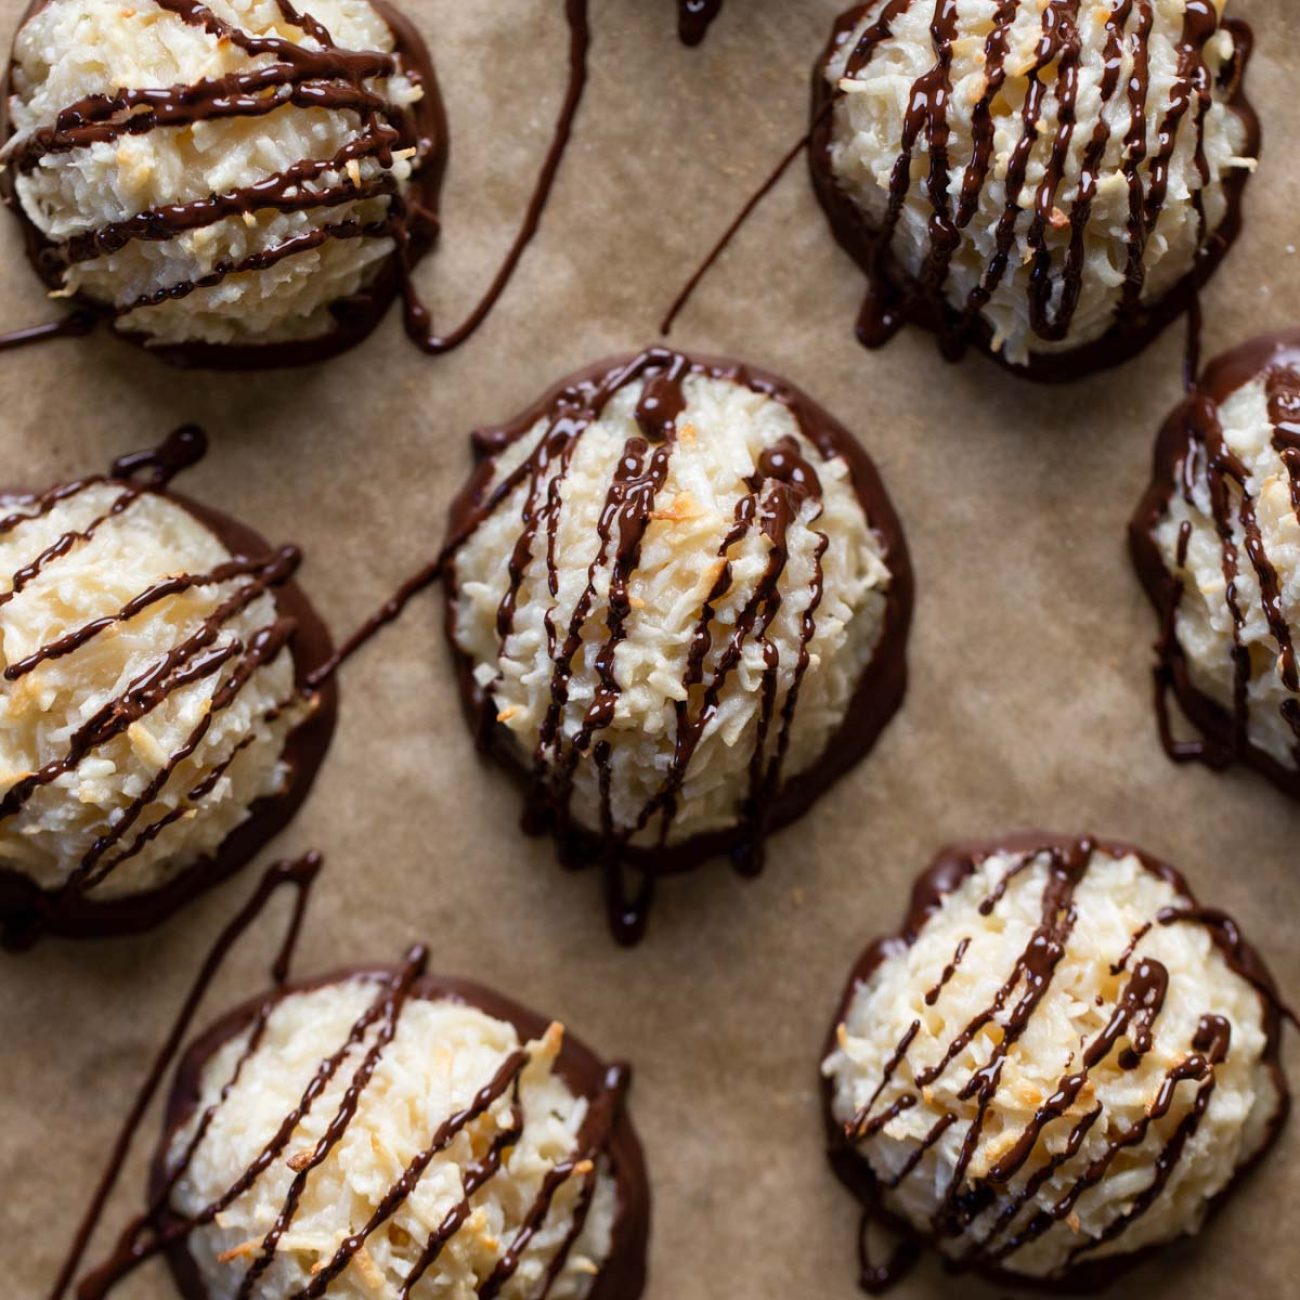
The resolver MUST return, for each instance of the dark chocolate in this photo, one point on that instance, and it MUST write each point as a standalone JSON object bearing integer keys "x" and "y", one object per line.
{"x": 896, "y": 296}
{"x": 28, "y": 912}
{"x": 1192, "y": 438}
{"x": 694, "y": 18}
{"x": 571, "y": 407}
{"x": 329, "y": 77}
{"x": 1136, "y": 1011}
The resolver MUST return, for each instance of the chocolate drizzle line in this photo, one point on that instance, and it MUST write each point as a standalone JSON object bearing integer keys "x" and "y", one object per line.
{"x": 1129, "y": 1028}
{"x": 605, "y": 1136}
{"x": 895, "y": 295}
{"x": 323, "y": 75}
{"x": 299, "y": 876}
{"x": 776, "y": 495}
{"x": 255, "y": 570}
{"x": 1191, "y": 449}
{"x": 694, "y": 18}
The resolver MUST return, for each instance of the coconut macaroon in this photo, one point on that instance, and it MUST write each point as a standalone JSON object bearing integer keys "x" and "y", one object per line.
{"x": 388, "y": 1133}
{"x": 153, "y": 729}
{"x": 679, "y": 597}
{"x": 1216, "y": 540}
{"x": 1051, "y": 181}
{"x": 225, "y": 180}
{"x": 1062, "y": 1061}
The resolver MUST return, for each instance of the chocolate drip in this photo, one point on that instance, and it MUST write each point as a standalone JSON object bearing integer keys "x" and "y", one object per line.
{"x": 207, "y": 650}
{"x": 299, "y": 876}
{"x": 604, "y": 1140}
{"x": 770, "y": 183}
{"x": 326, "y": 76}
{"x": 419, "y": 322}
{"x": 1195, "y": 1068}
{"x": 694, "y": 18}
{"x": 1129, "y": 1031}
{"x": 1192, "y": 455}
{"x": 778, "y": 494}
{"x": 182, "y": 449}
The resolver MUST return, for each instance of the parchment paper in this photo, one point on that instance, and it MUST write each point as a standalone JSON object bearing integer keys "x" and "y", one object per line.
{"x": 1031, "y": 660}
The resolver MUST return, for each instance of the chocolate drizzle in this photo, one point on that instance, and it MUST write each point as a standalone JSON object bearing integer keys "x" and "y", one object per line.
{"x": 694, "y": 18}
{"x": 300, "y": 876}
{"x": 605, "y": 1135}
{"x": 320, "y": 75}
{"x": 1190, "y": 451}
{"x": 255, "y": 570}
{"x": 1055, "y": 281}
{"x": 1129, "y": 1029}
{"x": 785, "y": 480}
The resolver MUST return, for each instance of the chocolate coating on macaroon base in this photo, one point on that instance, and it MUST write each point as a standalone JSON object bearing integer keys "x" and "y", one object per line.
{"x": 624, "y": 1274}
{"x": 1193, "y": 434}
{"x": 412, "y": 220}
{"x": 896, "y": 296}
{"x": 577, "y": 402}
{"x": 27, "y": 912}
{"x": 1070, "y": 857}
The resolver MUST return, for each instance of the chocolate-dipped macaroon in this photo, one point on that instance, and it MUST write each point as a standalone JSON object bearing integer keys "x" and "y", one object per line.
{"x": 679, "y": 599}
{"x": 1216, "y": 541}
{"x": 155, "y": 725}
{"x": 1062, "y": 1061}
{"x": 386, "y": 1132}
{"x": 243, "y": 183}
{"x": 1048, "y": 181}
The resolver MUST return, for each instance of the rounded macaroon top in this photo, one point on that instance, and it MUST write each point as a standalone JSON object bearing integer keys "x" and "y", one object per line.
{"x": 1064, "y": 1060}
{"x": 1217, "y": 543}
{"x": 149, "y": 701}
{"x": 452, "y": 1146}
{"x": 679, "y": 595}
{"x": 220, "y": 174}
{"x": 1049, "y": 180}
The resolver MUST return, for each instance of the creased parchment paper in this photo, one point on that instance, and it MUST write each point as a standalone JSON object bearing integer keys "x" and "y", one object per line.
{"x": 1031, "y": 663}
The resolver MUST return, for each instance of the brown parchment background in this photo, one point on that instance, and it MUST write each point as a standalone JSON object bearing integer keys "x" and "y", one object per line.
{"x": 1030, "y": 697}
